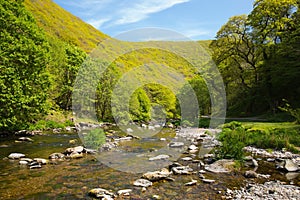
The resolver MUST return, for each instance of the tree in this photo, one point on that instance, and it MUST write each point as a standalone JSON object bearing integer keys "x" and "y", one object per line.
{"x": 23, "y": 60}
{"x": 235, "y": 54}
{"x": 139, "y": 106}
{"x": 74, "y": 58}
{"x": 271, "y": 22}
{"x": 104, "y": 92}
{"x": 258, "y": 56}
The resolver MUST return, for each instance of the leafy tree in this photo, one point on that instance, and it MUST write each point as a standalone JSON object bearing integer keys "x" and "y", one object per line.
{"x": 160, "y": 95}
{"x": 74, "y": 58}
{"x": 258, "y": 56}
{"x": 236, "y": 56}
{"x": 140, "y": 106}
{"x": 24, "y": 56}
{"x": 104, "y": 92}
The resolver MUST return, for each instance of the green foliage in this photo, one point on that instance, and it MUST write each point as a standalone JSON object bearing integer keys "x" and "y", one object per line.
{"x": 94, "y": 139}
{"x": 160, "y": 95}
{"x": 74, "y": 58}
{"x": 24, "y": 57}
{"x": 235, "y": 136}
{"x": 140, "y": 106}
{"x": 104, "y": 91}
{"x": 46, "y": 124}
{"x": 233, "y": 141}
{"x": 293, "y": 112}
{"x": 257, "y": 55}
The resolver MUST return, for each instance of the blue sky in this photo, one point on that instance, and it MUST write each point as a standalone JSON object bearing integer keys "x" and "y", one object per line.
{"x": 195, "y": 19}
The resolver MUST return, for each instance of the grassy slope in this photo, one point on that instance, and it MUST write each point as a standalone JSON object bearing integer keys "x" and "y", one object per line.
{"x": 60, "y": 23}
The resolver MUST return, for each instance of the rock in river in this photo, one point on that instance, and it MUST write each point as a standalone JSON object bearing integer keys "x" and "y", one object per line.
{"x": 124, "y": 192}
{"x": 16, "y": 156}
{"x": 159, "y": 157}
{"x": 101, "y": 193}
{"x": 185, "y": 170}
{"x": 55, "y": 156}
{"x": 251, "y": 174}
{"x": 288, "y": 165}
{"x": 157, "y": 175}
{"x": 41, "y": 161}
{"x": 176, "y": 144}
{"x": 193, "y": 182}
{"x": 220, "y": 166}
{"x": 25, "y": 139}
{"x": 142, "y": 183}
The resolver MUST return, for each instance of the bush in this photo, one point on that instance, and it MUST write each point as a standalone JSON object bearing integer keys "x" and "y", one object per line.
{"x": 94, "y": 139}
{"x": 233, "y": 141}
{"x": 235, "y": 136}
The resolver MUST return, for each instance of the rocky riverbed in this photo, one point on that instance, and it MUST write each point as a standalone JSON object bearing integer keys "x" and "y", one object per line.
{"x": 195, "y": 174}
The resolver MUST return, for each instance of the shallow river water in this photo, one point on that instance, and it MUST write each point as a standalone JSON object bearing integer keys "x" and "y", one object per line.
{"x": 72, "y": 179}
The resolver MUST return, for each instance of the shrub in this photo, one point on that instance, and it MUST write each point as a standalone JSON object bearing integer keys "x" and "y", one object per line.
{"x": 233, "y": 141}
{"x": 94, "y": 139}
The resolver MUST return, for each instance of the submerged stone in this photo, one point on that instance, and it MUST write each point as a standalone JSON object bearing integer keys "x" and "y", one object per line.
{"x": 159, "y": 157}
{"x": 176, "y": 144}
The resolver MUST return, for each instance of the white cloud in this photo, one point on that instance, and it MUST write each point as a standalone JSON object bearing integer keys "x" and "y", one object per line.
{"x": 97, "y": 23}
{"x": 142, "y": 9}
{"x": 193, "y": 33}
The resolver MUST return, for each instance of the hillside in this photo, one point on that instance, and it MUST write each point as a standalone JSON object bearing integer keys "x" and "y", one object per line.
{"x": 58, "y": 22}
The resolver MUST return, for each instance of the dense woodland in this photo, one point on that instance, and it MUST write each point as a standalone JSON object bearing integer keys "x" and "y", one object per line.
{"x": 40, "y": 55}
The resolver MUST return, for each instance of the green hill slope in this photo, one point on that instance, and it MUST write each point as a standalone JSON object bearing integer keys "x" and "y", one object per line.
{"x": 60, "y": 23}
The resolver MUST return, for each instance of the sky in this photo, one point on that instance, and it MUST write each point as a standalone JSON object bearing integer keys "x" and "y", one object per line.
{"x": 195, "y": 19}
